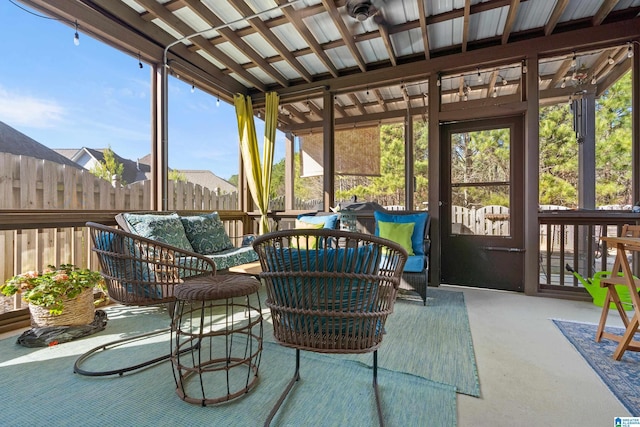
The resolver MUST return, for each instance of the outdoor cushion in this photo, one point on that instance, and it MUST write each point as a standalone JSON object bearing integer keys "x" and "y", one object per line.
{"x": 311, "y": 240}
{"x": 163, "y": 228}
{"x": 414, "y": 264}
{"x": 347, "y": 294}
{"x": 121, "y": 268}
{"x": 420, "y": 220}
{"x": 398, "y": 232}
{"x": 206, "y": 233}
{"x": 327, "y": 221}
{"x": 234, "y": 256}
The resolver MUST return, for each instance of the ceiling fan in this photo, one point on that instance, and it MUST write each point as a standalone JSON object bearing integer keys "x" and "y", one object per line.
{"x": 361, "y": 10}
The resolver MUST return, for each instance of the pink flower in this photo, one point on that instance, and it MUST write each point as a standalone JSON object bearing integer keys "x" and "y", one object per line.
{"x": 61, "y": 277}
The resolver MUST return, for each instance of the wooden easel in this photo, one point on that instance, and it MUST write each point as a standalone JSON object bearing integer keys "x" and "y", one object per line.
{"x": 625, "y": 342}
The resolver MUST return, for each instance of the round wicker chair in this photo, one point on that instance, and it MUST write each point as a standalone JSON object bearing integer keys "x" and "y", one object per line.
{"x": 140, "y": 272}
{"x": 329, "y": 291}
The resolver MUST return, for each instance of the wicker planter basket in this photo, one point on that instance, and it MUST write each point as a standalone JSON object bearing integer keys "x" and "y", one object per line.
{"x": 76, "y": 312}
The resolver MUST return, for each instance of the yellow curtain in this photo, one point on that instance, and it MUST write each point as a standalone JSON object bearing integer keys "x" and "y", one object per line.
{"x": 258, "y": 176}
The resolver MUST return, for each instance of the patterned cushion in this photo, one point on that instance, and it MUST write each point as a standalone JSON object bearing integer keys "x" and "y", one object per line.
{"x": 163, "y": 228}
{"x": 206, "y": 233}
{"x": 234, "y": 256}
{"x": 123, "y": 269}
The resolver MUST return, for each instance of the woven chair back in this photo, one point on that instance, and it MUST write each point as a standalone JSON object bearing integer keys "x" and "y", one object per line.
{"x": 140, "y": 271}
{"x": 329, "y": 291}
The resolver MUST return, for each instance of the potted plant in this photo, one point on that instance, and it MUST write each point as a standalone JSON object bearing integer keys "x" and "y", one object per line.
{"x": 57, "y": 296}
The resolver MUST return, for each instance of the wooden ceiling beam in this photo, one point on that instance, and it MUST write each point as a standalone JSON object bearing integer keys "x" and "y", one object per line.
{"x": 127, "y": 32}
{"x": 347, "y": 37}
{"x": 605, "y": 8}
{"x": 422, "y": 15}
{"x": 295, "y": 20}
{"x": 603, "y": 61}
{"x": 581, "y": 39}
{"x": 511, "y": 19}
{"x": 558, "y": 10}
{"x": 618, "y": 57}
{"x": 465, "y": 25}
{"x": 261, "y": 28}
{"x": 380, "y": 99}
{"x": 561, "y": 73}
{"x": 354, "y": 99}
{"x": 210, "y": 18}
{"x": 384, "y": 35}
{"x": 178, "y": 25}
{"x": 617, "y": 72}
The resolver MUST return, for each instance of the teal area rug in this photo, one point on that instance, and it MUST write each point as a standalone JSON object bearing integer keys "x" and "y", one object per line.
{"x": 432, "y": 342}
{"x": 621, "y": 377}
{"x": 39, "y": 387}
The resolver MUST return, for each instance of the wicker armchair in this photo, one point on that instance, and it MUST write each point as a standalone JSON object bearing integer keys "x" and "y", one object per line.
{"x": 140, "y": 272}
{"x": 329, "y": 291}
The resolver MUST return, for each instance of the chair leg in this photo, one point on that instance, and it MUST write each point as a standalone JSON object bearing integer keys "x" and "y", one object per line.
{"x": 120, "y": 371}
{"x": 375, "y": 388}
{"x": 296, "y": 377}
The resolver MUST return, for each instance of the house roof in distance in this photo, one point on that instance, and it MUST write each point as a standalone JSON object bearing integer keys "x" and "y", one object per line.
{"x": 208, "y": 179}
{"x": 133, "y": 171}
{"x": 15, "y": 142}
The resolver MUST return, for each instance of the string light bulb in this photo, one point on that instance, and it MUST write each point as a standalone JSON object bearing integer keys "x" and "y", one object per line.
{"x": 479, "y": 76}
{"x": 594, "y": 80}
{"x": 574, "y": 61}
{"x": 629, "y": 51}
{"x": 610, "y": 60}
{"x": 495, "y": 93}
{"x": 564, "y": 83}
{"x": 218, "y": 101}
{"x": 193, "y": 88}
{"x": 76, "y": 36}
{"x": 504, "y": 82}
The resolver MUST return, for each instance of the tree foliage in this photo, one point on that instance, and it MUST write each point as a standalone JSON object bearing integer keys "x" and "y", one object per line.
{"x": 176, "y": 175}
{"x": 109, "y": 167}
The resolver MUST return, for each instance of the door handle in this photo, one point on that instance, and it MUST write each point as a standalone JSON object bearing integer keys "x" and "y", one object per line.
{"x": 503, "y": 249}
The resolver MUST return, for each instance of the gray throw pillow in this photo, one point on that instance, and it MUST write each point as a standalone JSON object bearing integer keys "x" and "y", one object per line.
{"x": 163, "y": 228}
{"x": 206, "y": 233}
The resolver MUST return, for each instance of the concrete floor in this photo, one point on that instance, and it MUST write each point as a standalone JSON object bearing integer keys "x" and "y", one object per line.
{"x": 530, "y": 375}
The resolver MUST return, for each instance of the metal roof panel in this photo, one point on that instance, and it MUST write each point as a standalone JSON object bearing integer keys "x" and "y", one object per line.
{"x": 289, "y": 37}
{"x": 487, "y": 24}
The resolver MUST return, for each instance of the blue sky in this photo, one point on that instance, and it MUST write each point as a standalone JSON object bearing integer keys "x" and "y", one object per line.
{"x": 67, "y": 96}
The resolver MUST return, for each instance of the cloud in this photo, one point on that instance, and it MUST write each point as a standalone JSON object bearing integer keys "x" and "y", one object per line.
{"x": 25, "y": 110}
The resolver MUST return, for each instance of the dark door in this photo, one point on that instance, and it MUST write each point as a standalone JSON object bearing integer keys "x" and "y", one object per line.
{"x": 482, "y": 204}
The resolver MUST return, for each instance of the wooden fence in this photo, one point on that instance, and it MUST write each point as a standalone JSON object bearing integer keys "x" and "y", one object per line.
{"x": 29, "y": 183}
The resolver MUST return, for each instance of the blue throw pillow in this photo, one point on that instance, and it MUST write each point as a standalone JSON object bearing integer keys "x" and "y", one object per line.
{"x": 420, "y": 220}
{"x": 206, "y": 233}
{"x": 328, "y": 221}
{"x": 163, "y": 228}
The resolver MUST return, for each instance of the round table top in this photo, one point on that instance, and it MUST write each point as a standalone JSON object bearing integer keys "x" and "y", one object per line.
{"x": 216, "y": 287}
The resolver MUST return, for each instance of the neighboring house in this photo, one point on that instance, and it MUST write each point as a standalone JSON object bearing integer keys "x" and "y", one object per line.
{"x": 140, "y": 170}
{"x": 134, "y": 171}
{"x": 19, "y": 144}
{"x": 209, "y": 180}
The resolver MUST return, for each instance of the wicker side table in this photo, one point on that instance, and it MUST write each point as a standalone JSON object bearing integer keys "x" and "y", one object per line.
{"x": 216, "y": 338}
